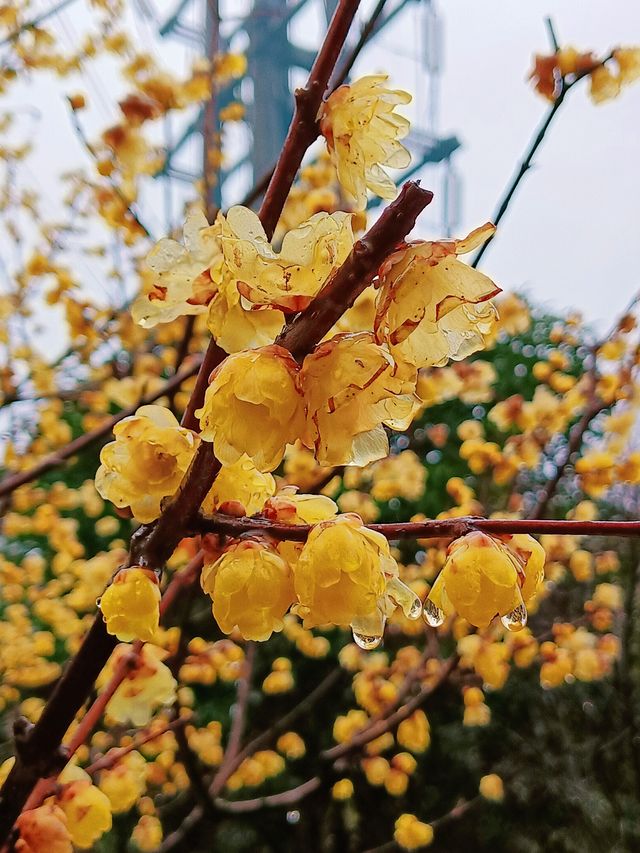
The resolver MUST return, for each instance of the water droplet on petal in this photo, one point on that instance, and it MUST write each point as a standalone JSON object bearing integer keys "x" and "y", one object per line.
{"x": 98, "y": 601}
{"x": 516, "y": 619}
{"x": 366, "y": 641}
{"x": 415, "y": 609}
{"x": 432, "y": 614}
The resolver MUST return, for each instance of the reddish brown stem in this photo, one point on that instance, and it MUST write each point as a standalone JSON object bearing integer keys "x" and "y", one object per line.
{"x": 357, "y": 272}
{"x": 445, "y": 528}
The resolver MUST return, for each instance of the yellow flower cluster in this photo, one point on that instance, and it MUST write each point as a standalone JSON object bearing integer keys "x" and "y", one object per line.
{"x": 411, "y": 833}
{"x": 607, "y": 77}
{"x": 344, "y": 574}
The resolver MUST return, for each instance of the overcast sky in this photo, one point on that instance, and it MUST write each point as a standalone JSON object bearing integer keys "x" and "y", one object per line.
{"x": 571, "y": 236}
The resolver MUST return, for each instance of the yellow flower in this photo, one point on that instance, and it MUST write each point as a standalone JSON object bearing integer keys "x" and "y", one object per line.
{"x": 352, "y": 387}
{"x": 411, "y": 834}
{"x": 148, "y": 685}
{"x": 341, "y": 572}
{"x": 147, "y": 833}
{"x": 253, "y": 406}
{"x": 362, "y": 130}
{"x": 491, "y": 787}
{"x": 130, "y": 605}
{"x": 86, "y": 808}
{"x": 628, "y": 59}
{"x": 252, "y": 589}
{"x": 288, "y": 279}
{"x": 124, "y": 783}
{"x": 182, "y": 281}
{"x": 483, "y": 577}
{"x": 604, "y": 85}
{"x": 238, "y": 325}
{"x": 342, "y": 789}
{"x": 43, "y": 830}
{"x": 241, "y": 482}
{"x": 414, "y": 732}
{"x": 146, "y": 462}
{"x": 431, "y": 306}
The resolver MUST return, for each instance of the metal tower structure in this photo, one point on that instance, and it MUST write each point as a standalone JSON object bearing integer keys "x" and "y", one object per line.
{"x": 264, "y": 30}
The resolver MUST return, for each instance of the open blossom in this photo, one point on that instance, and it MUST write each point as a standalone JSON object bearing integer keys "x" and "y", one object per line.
{"x": 181, "y": 274}
{"x": 362, "y": 131}
{"x": 130, "y": 605}
{"x": 352, "y": 387}
{"x": 146, "y": 462}
{"x": 483, "y": 576}
{"x": 290, "y": 278}
{"x": 86, "y": 808}
{"x": 432, "y": 306}
{"x": 253, "y": 406}
{"x": 149, "y": 684}
{"x": 251, "y": 587}
{"x": 125, "y": 782}
{"x": 343, "y": 575}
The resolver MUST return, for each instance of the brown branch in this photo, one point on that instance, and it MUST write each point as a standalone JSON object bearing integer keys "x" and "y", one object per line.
{"x": 111, "y": 758}
{"x": 440, "y": 528}
{"x": 237, "y": 724}
{"x": 273, "y": 801}
{"x": 303, "y": 129}
{"x": 379, "y": 727}
{"x": 58, "y": 457}
{"x": 357, "y": 272}
{"x": 285, "y": 722}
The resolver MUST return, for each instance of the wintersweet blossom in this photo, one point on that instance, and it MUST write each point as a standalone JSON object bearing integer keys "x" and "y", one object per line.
{"x": 483, "y": 577}
{"x": 343, "y": 576}
{"x": 182, "y": 281}
{"x": 253, "y": 405}
{"x": 241, "y": 483}
{"x": 86, "y": 808}
{"x": 146, "y": 462}
{"x": 362, "y": 131}
{"x": 431, "y": 306}
{"x": 149, "y": 684}
{"x": 411, "y": 833}
{"x": 237, "y": 324}
{"x": 251, "y": 587}
{"x": 130, "y": 605}
{"x": 352, "y": 387}
{"x": 290, "y": 278}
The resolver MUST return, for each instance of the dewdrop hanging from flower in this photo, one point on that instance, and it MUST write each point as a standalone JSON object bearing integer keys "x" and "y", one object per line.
{"x": 483, "y": 577}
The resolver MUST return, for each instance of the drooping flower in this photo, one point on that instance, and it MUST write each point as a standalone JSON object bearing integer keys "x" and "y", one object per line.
{"x": 86, "y": 808}
{"x": 290, "y": 278}
{"x": 146, "y": 462}
{"x": 628, "y": 59}
{"x": 342, "y": 572}
{"x": 251, "y": 587}
{"x": 483, "y": 576}
{"x": 253, "y": 406}
{"x": 352, "y": 387}
{"x": 432, "y": 306}
{"x": 130, "y": 605}
{"x": 149, "y": 684}
{"x": 184, "y": 277}
{"x": 362, "y": 130}
{"x": 605, "y": 85}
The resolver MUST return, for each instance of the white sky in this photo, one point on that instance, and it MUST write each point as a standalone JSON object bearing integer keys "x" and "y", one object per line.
{"x": 571, "y": 236}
